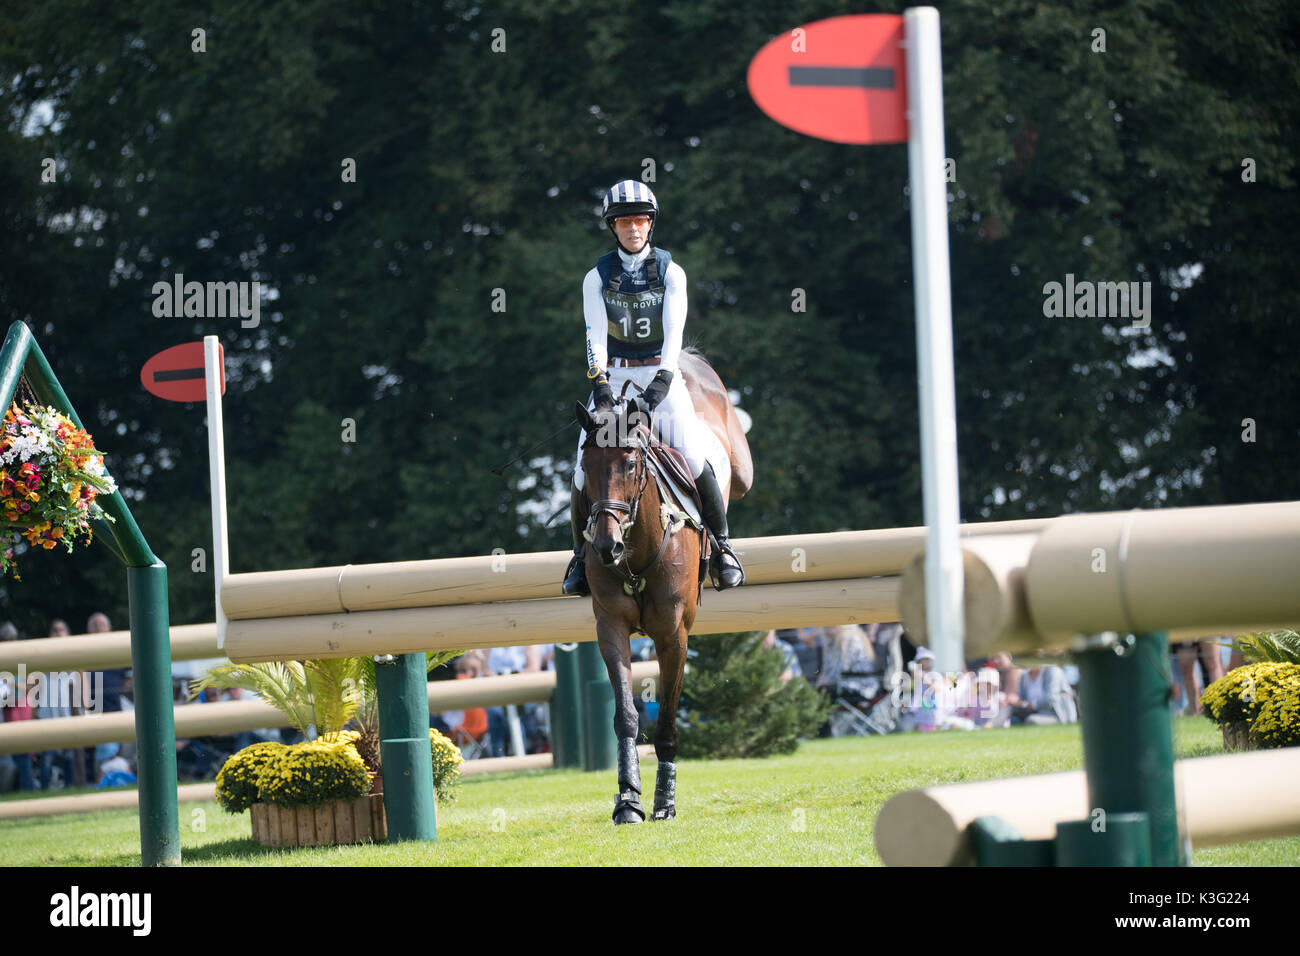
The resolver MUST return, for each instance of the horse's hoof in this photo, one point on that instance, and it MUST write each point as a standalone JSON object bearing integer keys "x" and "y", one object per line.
{"x": 628, "y": 809}
{"x": 664, "y": 813}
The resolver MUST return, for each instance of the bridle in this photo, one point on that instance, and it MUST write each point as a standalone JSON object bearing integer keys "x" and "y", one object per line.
{"x": 634, "y": 582}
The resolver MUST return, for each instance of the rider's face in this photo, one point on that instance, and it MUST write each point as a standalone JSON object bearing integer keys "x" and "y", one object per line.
{"x": 631, "y": 231}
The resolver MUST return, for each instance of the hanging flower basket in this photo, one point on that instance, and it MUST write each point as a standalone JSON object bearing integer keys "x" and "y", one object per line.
{"x": 50, "y": 475}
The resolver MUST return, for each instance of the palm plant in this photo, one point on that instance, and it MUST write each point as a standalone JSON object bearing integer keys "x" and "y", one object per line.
{"x": 1281, "y": 647}
{"x": 320, "y": 698}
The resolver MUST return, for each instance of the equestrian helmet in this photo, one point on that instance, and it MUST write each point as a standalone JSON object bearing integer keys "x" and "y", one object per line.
{"x": 626, "y": 199}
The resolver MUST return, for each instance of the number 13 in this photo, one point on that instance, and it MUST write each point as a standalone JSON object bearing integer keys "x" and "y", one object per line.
{"x": 642, "y": 324}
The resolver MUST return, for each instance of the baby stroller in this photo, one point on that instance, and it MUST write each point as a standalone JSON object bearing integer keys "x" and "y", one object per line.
{"x": 864, "y": 704}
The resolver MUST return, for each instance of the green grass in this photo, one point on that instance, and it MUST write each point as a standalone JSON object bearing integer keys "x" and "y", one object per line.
{"x": 732, "y": 812}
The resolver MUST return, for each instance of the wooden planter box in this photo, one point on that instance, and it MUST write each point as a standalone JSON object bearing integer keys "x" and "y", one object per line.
{"x": 1237, "y": 737}
{"x": 336, "y": 823}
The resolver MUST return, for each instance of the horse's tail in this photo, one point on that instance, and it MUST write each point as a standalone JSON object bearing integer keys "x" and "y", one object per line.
{"x": 697, "y": 368}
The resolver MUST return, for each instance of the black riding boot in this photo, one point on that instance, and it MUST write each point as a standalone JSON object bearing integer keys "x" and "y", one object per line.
{"x": 575, "y": 578}
{"x": 730, "y": 572}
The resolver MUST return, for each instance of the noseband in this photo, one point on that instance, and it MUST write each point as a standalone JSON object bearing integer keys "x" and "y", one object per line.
{"x": 633, "y": 582}
{"x": 616, "y": 507}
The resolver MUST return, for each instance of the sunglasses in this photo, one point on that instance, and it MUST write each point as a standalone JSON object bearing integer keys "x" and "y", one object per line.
{"x": 625, "y": 221}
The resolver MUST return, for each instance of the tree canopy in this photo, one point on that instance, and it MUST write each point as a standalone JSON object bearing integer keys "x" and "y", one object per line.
{"x": 483, "y": 137}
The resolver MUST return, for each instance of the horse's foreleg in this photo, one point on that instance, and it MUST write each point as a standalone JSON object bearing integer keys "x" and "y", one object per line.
{"x": 615, "y": 648}
{"x": 672, "y": 670}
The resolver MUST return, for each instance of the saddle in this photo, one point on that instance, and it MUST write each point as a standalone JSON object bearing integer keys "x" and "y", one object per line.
{"x": 674, "y": 466}
{"x": 674, "y": 478}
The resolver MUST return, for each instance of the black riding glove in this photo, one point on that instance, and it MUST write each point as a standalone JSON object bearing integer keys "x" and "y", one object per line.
{"x": 657, "y": 390}
{"x": 602, "y": 393}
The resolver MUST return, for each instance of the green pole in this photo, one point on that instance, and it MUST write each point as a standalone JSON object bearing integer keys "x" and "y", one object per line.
{"x": 146, "y": 579}
{"x": 402, "y": 688}
{"x": 155, "y": 731}
{"x": 566, "y": 708}
{"x": 1128, "y": 740}
{"x": 1124, "y": 841}
{"x": 600, "y": 747}
{"x": 996, "y": 842}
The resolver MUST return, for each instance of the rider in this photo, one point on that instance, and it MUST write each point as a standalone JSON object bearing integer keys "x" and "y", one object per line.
{"x": 634, "y": 301}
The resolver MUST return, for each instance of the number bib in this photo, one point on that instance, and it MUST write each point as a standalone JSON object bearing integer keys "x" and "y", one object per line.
{"x": 634, "y": 304}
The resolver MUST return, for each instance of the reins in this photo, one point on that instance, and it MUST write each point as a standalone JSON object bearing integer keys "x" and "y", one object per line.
{"x": 634, "y": 582}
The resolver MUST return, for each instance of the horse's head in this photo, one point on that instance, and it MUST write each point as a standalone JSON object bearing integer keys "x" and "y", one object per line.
{"x": 616, "y": 473}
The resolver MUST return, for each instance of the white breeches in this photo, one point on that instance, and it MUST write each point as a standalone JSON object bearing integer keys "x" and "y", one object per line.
{"x": 674, "y": 421}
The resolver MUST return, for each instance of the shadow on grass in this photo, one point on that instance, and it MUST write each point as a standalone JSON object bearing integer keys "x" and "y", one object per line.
{"x": 244, "y": 847}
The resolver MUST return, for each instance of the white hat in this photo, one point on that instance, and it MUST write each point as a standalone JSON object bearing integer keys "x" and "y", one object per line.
{"x": 924, "y": 653}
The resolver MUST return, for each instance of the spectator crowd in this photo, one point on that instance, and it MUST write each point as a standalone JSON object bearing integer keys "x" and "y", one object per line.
{"x": 882, "y": 683}
{"x": 33, "y": 696}
{"x": 879, "y": 680}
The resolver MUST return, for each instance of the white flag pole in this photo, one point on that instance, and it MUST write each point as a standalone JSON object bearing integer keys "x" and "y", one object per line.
{"x": 216, "y": 475}
{"x": 925, "y": 158}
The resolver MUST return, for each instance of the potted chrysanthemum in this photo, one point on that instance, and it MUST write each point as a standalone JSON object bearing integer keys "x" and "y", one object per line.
{"x": 50, "y": 474}
{"x": 1257, "y": 705}
{"x": 327, "y": 790}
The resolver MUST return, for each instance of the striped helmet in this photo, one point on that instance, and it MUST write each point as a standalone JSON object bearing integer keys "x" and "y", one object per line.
{"x": 626, "y": 198}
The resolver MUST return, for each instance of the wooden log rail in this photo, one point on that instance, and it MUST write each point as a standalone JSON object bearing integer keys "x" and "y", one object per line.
{"x": 1202, "y": 571}
{"x": 232, "y": 717}
{"x": 1231, "y": 798}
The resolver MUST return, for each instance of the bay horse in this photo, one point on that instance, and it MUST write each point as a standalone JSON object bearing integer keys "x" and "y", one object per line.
{"x": 644, "y": 568}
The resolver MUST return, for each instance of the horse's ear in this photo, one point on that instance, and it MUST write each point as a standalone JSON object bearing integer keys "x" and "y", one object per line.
{"x": 637, "y": 414}
{"x": 584, "y": 417}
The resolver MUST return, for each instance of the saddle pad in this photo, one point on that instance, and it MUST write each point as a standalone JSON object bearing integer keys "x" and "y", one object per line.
{"x": 677, "y": 500}
{"x": 672, "y": 477}
{"x": 682, "y": 496}
{"x": 674, "y": 465}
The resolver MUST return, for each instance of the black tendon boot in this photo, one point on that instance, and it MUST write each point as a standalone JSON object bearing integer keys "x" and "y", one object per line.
{"x": 730, "y": 573}
{"x": 575, "y": 578}
{"x": 628, "y": 809}
{"x": 665, "y": 791}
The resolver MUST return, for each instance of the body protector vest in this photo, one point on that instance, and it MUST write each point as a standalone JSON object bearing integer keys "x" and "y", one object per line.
{"x": 634, "y": 304}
